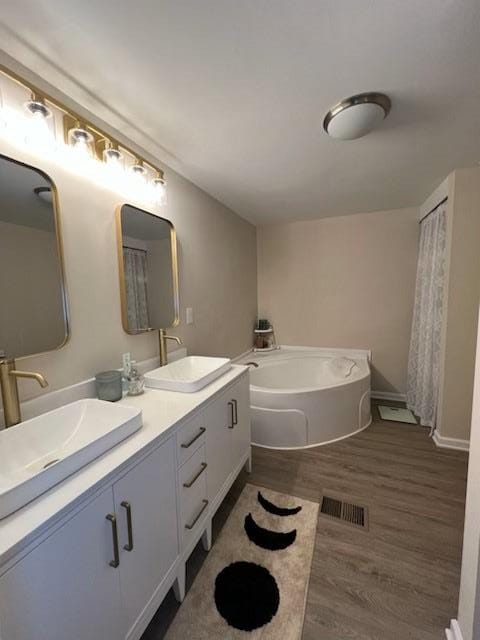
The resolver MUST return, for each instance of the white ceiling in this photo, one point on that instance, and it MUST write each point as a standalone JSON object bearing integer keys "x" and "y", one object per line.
{"x": 232, "y": 93}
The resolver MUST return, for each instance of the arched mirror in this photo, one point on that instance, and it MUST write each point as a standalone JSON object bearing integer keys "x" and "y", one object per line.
{"x": 33, "y": 302}
{"x": 147, "y": 257}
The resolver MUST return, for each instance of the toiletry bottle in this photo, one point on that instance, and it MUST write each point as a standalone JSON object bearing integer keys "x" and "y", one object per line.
{"x": 135, "y": 381}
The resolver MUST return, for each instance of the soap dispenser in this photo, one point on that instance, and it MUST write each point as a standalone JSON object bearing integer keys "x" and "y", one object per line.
{"x": 135, "y": 381}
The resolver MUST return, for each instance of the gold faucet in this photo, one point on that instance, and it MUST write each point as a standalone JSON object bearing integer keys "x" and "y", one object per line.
{"x": 162, "y": 338}
{"x": 8, "y": 385}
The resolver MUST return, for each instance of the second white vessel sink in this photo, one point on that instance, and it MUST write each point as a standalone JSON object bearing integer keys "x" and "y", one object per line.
{"x": 39, "y": 453}
{"x": 187, "y": 374}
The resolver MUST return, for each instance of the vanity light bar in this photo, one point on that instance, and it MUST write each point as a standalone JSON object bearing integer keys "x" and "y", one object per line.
{"x": 79, "y": 132}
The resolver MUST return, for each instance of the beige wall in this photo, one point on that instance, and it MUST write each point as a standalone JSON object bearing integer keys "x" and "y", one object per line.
{"x": 161, "y": 306}
{"x": 217, "y": 278}
{"x": 29, "y": 258}
{"x": 461, "y": 304}
{"x": 344, "y": 282}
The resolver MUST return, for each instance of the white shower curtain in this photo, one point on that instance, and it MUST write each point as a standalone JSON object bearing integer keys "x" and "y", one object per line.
{"x": 424, "y": 356}
{"x": 135, "y": 267}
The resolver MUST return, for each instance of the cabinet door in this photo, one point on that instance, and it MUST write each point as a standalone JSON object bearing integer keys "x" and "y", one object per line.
{"x": 65, "y": 587}
{"x": 146, "y": 496}
{"x": 241, "y": 435}
{"x": 218, "y": 421}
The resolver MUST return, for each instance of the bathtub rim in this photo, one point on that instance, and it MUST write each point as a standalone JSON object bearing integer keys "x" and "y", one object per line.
{"x": 290, "y": 353}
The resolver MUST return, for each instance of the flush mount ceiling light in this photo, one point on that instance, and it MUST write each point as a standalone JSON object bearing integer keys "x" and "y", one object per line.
{"x": 356, "y": 116}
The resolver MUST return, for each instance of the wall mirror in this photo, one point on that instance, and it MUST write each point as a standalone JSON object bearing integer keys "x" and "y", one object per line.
{"x": 147, "y": 256}
{"x": 33, "y": 304}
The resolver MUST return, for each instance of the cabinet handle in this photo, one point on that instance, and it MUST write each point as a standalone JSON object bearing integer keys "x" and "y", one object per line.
{"x": 116, "y": 556}
{"x": 192, "y": 524}
{"x": 128, "y": 509}
{"x": 185, "y": 445}
{"x": 232, "y": 423}
{"x": 235, "y": 407}
{"x": 196, "y": 476}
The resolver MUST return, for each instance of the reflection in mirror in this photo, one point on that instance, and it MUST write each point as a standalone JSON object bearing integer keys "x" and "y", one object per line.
{"x": 33, "y": 310}
{"x": 148, "y": 270}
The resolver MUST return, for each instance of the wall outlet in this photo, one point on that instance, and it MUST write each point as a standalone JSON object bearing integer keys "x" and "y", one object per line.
{"x": 189, "y": 315}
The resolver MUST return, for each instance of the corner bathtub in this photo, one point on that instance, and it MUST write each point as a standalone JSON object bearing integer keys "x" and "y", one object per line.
{"x": 305, "y": 397}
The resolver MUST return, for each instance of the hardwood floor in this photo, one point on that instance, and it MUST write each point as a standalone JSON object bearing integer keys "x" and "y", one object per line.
{"x": 399, "y": 579}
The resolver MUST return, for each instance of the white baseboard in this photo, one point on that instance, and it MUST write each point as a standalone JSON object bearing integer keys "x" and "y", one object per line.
{"x": 450, "y": 443}
{"x": 454, "y": 632}
{"x": 387, "y": 395}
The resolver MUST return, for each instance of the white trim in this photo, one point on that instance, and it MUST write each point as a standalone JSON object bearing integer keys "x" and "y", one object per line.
{"x": 388, "y": 395}
{"x": 450, "y": 443}
{"x": 433, "y": 199}
{"x": 454, "y": 633}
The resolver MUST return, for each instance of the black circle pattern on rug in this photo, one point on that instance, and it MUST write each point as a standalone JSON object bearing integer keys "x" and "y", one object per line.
{"x": 277, "y": 511}
{"x": 246, "y": 595}
{"x": 267, "y": 539}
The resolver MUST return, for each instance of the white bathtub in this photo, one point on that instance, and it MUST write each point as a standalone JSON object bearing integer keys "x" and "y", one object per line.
{"x": 304, "y": 397}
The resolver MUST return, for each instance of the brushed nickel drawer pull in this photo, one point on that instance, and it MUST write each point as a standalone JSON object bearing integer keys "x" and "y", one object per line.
{"x": 185, "y": 445}
{"x": 232, "y": 422}
{"x": 192, "y": 524}
{"x": 126, "y": 505}
{"x": 196, "y": 476}
{"x": 116, "y": 556}
{"x": 235, "y": 408}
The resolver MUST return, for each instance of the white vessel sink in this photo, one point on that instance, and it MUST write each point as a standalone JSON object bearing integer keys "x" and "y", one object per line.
{"x": 187, "y": 374}
{"x": 38, "y": 453}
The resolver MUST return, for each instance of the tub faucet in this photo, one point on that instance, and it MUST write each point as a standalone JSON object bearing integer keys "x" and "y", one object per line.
{"x": 8, "y": 384}
{"x": 254, "y": 364}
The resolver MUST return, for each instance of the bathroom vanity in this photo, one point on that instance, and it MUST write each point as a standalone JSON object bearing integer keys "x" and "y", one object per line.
{"x": 93, "y": 558}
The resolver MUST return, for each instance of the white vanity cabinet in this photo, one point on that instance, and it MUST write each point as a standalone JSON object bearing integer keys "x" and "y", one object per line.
{"x": 146, "y": 513}
{"x": 228, "y": 435}
{"x": 102, "y": 571}
{"x": 65, "y": 587}
{"x": 90, "y": 579}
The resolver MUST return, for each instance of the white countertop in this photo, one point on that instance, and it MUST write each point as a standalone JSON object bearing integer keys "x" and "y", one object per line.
{"x": 162, "y": 411}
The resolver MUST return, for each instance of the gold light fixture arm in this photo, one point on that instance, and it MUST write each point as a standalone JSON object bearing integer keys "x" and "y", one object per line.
{"x": 71, "y": 117}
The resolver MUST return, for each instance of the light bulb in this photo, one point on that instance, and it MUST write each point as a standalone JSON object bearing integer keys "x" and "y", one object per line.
{"x": 38, "y": 134}
{"x": 160, "y": 190}
{"x": 139, "y": 172}
{"x": 113, "y": 158}
{"x": 81, "y": 141}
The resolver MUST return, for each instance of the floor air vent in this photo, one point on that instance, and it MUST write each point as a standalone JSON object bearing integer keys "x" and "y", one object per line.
{"x": 345, "y": 511}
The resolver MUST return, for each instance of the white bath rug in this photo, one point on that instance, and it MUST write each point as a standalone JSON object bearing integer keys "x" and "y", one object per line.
{"x": 253, "y": 584}
{"x": 397, "y": 414}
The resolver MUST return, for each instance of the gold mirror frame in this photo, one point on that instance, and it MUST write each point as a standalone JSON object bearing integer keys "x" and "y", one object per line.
{"x": 61, "y": 256}
{"x": 121, "y": 270}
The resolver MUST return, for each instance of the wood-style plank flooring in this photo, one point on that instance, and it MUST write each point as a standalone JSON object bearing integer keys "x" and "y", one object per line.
{"x": 399, "y": 579}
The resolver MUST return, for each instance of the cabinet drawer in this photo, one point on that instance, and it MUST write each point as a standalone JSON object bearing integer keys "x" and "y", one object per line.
{"x": 190, "y": 437}
{"x": 193, "y": 492}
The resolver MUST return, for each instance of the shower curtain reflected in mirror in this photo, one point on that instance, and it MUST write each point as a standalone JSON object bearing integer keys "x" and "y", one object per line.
{"x": 135, "y": 269}
{"x": 425, "y": 343}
